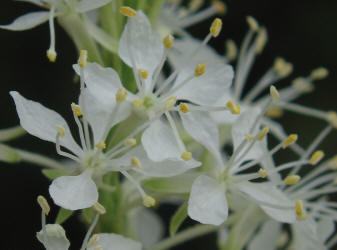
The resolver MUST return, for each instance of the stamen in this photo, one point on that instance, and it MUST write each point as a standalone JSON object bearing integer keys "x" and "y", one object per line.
{"x": 168, "y": 42}
{"x": 200, "y": 69}
{"x": 82, "y": 60}
{"x": 143, "y": 73}
{"x": 319, "y": 73}
{"x": 233, "y": 107}
{"x": 149, "y": 201}
{"x": 216, "y": 27}
{"x": 51, "y": 53}
{"x": 170, "y": 103}
{"x": 76, "y": 109}
{"x": 231, "y": 50}
{"x": 249, "y": 137}
{"x": 263, "y": 133}
{"x": 184, "y": 108}
{"x": 300, "y": 212}
{"x": 58, "y": 146}
{"x": 131, "y": 142}
{"x": 98, "y": 208}
{"x": 98, "y": 248}
{"x": 332, "y": 119}
{"x": 263, "y": 173}
{"x": 61, "y": 130}
{"x": 138, "y": 104}
{"x": 274, "y": 112}
{"x": 194, "y": 5}
{"x": 173, "y": 126}
{"x": 289, "y": 141}
{"x": 43, "y": 204}
{"x": 333, "y": 163}
{"x": 252, "y": 23}
{"x": 101, "y": 145}
{"x": 316, "y": 157}
{"x": 220, "y": 7}
{"x": 186, "y": 156}
{"x": 93, "y": 240}
{"x": 282, "y": 68}
{"x": 135, "y": 162}
{"x": 292, "y": 179}
{"x": 261, "y": 40}
{"x": 127, "y": 11}
{"x": 302, "y": 85}
{"x": 121, "y": 95}
{"x": 274, "y": 94}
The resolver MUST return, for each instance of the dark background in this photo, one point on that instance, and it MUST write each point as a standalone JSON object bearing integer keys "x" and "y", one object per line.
{"x": 303, "y": 32}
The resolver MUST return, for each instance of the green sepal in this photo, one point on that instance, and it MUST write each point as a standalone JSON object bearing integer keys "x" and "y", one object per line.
{"x": 8, "y": 154}
{"x": 178, "y": 218}
{"x": 174, "y": 185}
{"x": 63, "y": 215}
{"x": 54, "y": 173}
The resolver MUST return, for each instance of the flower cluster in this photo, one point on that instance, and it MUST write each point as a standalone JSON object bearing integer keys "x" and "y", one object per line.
{"x": 152, "y": 126}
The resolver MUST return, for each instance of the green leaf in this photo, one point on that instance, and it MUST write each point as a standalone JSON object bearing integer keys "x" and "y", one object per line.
{"x": 178, "y": 218}
{"x": 177, "y": 185}
{"x": 63, "y": 215}
{"x": 54, "y": 173}
{"x": 8, "y": 154}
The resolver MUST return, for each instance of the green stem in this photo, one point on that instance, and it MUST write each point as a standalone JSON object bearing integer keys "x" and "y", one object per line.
{"x": 11, "y": 133}
{"x": 184, "y": 236}
{"x": 74, "y": 26}
{"x": 154, "y": 9}
{"x": 38, "y": 159}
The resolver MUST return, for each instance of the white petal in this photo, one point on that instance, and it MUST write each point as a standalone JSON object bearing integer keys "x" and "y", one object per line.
{"x": 37, "y": 2}
{"x": 267, "y": 236}
{"x": 205, "y": 89}
{"x": 74, "y": 192}
{"x": 101, "y": 117}
{"x": 225, "y": 117}
{"x": 166, "y": 168}
{"x": 87, "y": 5}
{"x": 270, "y": 199}
{"x": 159, "y": 142}
{"x": 325, "y": 228}
{"x": 41, "y": 122}
{"x": 243, "y": 126}
{"x": 27, "y": 21}
{"x": 147, "y": 226}
{"x": 56, "y": 237}
{"x": 207, "y": 203}
{"x": 306, "y": 235}
{"x": 202, "y": 128}
{"x": 116, "y": 242}
{"x": 142, "y": 43}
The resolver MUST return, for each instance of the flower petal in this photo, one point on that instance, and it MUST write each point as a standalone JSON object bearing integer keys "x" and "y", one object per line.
{"x": 116, "y": 242}
{"x": 74, "y": 192}
{"x": 306, "y": 235}
{"x": 159, "y": 142}
{"x": 56, "y": 237}
{"x": 207, "y": 203}
{"x": 41, "y": 121}
{"x": 27, "y": 21}
{"x": 207, "y": 88}
{"x": 87, "y": 5}
{"x": 267, "y": 236}
{"x": 139, "y": 43}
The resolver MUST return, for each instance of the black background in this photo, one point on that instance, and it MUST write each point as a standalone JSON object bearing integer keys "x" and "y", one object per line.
{"x": 304, "y": 32}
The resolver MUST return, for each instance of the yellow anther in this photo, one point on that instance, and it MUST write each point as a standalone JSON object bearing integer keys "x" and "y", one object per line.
{"x": 137, "y": 104}
{"x": 274, "y": 112}
{"x": 127, "y": 11}
{"x": 282, "y": 67}
{"x": 170, "y": 103}
{"x": 148, "y": 201}
{"x": 186, "y": 156}
{"x": 82, "y": 60}
{"x": 135, "y": 162}
{"x": 194, "y": 5}
{"x": 231, "y": 50}
{"x": 316, "y": 157}
{"x": 60, "y": 130}
{"x": 333, "y": 163}
{"x": 98, "y": 208}
{"x": 200, "y": 69}
{"x": 274, "y": 93}
{"x": 168, "y": 41}
{"x": 302, "y": 85}
{"x": 101, "y": 145}
{"x": 121, "y": 95}
{"x": 300, "y": 211}
{"x": 332, "y": 119}
{"x": 43, "y": 204}
{"x": 184, "y": 107}
{"x": 93, "y": 240}
{"x": 263, "y": 133}
{"x": 76, "y": 109}
{"x": 292, "y": 179}
{"x": 319, "y": 73}
{"x": 261, "y": 40}
{"x": 233, "y": 107}
{"x": 291, "y": 139}
{"x": 99, "y": 248}
{"x": 263, "y": 173}
{"x": 220, "y": 7}
{"x": 131, "y": 142}
{"x": 249, "y": 137}
{"x": 143, "y": 73}
{"x": 252, "y": 23}
{"x": 216, "y": 27}
{"x": 51, "y": 54}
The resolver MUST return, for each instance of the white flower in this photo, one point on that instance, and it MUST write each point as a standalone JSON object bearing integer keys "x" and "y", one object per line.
{"x": 54, "y": 238}
{"x": 55, "y": 8}
{"x": 115, "y": 242}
